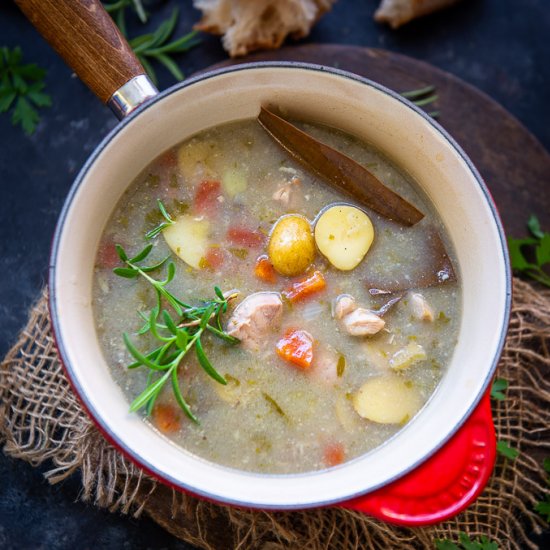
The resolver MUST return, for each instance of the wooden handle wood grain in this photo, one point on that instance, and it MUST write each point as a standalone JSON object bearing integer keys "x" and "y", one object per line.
{"x": 84, "y": 34}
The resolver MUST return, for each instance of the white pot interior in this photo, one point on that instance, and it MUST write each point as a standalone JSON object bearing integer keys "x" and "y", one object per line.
{"x": 407, "y": 137}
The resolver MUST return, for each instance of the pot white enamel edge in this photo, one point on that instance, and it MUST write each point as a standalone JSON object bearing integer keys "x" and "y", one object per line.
{"x": 367, "y": 110}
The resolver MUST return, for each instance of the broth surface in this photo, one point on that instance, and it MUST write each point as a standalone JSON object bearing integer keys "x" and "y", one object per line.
{"x": 272, "y": 417}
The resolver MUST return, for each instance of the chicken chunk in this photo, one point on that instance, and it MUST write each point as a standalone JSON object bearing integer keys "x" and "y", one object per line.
{"x": 362, "y": 322}
{"x": 343, "y": 305}
{"x": 288, "y": 194}
{"x": 254, "y": 317}
{"x": 420, "y": 308}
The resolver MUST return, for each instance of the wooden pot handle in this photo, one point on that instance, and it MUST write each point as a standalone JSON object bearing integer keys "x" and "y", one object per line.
{"x": 86, "y": 37}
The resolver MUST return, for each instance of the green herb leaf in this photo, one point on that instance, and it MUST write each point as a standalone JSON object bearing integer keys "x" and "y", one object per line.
{"x": 536, "y": 247}
{"x": 534, "y": 226}
{"x": 206, "y": 365}
{"x": 150, "y": 392}
{"x": 179, "y": 397}
{"x": 143, "y": 254}
{"x": 499, "y": 385}
{"x": 465, "y": 543}
{"x": 138, "y": 356}
{"x": 126, "y": 272}
{"x": 505, "y": 450}
{"x": 423, "y": 96}
{"x": 21, "y": 90}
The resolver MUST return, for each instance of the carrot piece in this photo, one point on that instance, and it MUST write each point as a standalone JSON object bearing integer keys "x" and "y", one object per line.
{"x": 213, "y": 259}
{"x": 305, "y": 287}
{"x": 166, "y": 418}
{"x": 334, "y": 454}
{"x": 242, "y": 236}
{"x": 264, "y": 270}
{"x": 296, "y": 347}
{"x": 206, "y": 197}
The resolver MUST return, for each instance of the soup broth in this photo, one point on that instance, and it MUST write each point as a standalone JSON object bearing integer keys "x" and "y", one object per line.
{"x": 278, "y": 413}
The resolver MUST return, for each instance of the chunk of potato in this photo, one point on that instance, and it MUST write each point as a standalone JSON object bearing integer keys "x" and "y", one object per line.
{"x": 344, "y": 235}
{"x": 188, "y": 239}
{"x": 198, "y": 156}
{"x": 291, "y": 248}
{"x": 234, "y": 182}
{"x": 387, "y": 400}
{"x": 406, "y": 357}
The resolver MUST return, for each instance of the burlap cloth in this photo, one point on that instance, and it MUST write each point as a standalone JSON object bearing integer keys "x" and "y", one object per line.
{"x": 42, "y": 421}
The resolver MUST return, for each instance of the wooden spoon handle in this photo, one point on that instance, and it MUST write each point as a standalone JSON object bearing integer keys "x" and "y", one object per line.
{"x": 85, "y": 36}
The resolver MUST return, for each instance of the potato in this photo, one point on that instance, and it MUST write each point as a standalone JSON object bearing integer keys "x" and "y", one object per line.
{"x": 408, "y": 356}
{"x": 344, "y": 235}
{"x": 234, "y": 182}
{"x": 291, "y": 248}
{"x": 188, "y": 239}
{"x": 387, "y": 399}
{"x": 198, "y": 156}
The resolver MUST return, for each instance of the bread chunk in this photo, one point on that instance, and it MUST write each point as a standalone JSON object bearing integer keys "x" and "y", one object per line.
{"x": 259, "y": 24}
{"x": 399, "y": 12}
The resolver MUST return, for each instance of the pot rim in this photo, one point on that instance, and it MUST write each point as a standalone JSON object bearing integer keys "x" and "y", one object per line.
{"x": 54, "y": 303}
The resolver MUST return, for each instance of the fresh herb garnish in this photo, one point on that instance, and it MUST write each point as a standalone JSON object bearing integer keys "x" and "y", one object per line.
{"x": 499, "y": 385}
{"x": 157, "y": 46}
{"x": 177, "y": 331}
{"x": 505, "y": 450}
{"x": 543, "y": 507}
{"x": 465, "y": 543}
{"x": 537, "y": 247}
{"x": 117, "y": 10}
{"x": 21, "y": 89}
{"x": 163, "y": 225}
{"x": 423, "y": 96}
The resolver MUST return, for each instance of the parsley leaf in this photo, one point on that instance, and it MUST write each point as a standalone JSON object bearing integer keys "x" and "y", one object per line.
{"x": 505, "y": 450}
{"x": 21, "y": 89}
{"x": 530, "y": 255}
{"x": 465, "y": 543}
{"x": 499, "y": 385}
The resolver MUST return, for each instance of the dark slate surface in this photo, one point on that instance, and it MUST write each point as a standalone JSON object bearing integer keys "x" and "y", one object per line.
{"x": 501, "y": 46}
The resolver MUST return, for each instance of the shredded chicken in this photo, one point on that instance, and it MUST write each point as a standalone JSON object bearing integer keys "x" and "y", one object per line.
{"x": 362, "y": 322}
{"x": 254, "y": 317}
{"x": 343, "y": 305}
{"x": 248, "y": 25}
{"x": 399, "y": 12}
{"x": 289, "y": 193}
{"x": 420, "y": 308}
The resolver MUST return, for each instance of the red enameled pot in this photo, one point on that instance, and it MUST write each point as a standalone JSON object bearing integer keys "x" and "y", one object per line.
{"x": 434, "y": 467}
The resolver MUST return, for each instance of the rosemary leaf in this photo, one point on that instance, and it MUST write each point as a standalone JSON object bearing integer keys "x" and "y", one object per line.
{"x": 206, "y": 365}
{"x": 179, "y": 397}
{"x": 150, "y": 391}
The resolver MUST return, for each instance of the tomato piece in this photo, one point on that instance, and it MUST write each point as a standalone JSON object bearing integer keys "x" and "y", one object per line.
{"x": 166, "y": 418}
{"x": 264, "y": 270}
{"x": 206, "y": 197}
{"x": 107, "y": 256}
{"x": 242, "y": 236}
{"x": 334, "y": 454}
{"x": 213, "y": 259}
{"x": 305, "y": 287}
{"x": 296, "y": 347}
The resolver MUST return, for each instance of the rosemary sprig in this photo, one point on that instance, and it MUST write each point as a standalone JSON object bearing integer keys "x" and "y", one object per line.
{"x": 177, "y": 332}
{"x": 161, "y": 226}
{"x": 157, "y": 46}
{"x": 117, "y": 10}
{"x": 423, "y": 96}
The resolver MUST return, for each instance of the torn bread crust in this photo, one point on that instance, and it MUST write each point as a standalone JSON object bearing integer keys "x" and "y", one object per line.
{"x": 399, "y": 12}
{"x": 260, "y": 24}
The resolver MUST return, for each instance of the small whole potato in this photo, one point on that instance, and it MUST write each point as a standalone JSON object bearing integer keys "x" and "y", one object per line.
{"x": 291, "y": 247}
{"x": 344, "y": 235}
